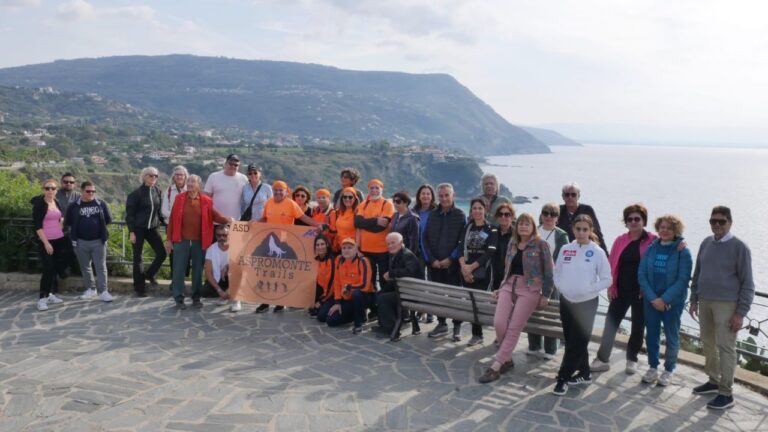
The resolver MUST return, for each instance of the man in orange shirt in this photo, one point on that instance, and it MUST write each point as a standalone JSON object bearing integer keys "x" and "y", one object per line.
{"x": 352, "y": 289}
{"x": 372, "y": 220}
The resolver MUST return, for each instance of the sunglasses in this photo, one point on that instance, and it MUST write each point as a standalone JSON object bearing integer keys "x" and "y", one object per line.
{"x": 234, "y": 164}
{"x": 549, "y": 214}
{"x": 221, "y": 236}
{"x": 570, "y": 194}
{"x": 152, "y": 175}
{"x": 301, "y": 195}
{"x": 50, "y": 188}
{"x": 633, "y": 219}
{"x": 89, "y": 191}
{"x": 347, "y": 197}
{"x": 581, "y": 229}
{"x": 68, "y": 182}
{"x": 397, "y": 201}
{"x": 253, "y": 173}
{"x": 721, "y": 222}
{"x": 504, "y": 214}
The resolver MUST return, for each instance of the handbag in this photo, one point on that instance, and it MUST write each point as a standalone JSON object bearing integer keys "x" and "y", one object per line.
{"x": 246, "y": 216}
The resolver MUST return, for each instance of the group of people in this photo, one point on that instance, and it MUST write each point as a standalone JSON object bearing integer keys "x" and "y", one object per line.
{"x": 365, "y": 242}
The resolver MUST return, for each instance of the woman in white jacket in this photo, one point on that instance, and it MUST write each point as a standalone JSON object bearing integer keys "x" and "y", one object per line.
{"x": 581, "y": 272}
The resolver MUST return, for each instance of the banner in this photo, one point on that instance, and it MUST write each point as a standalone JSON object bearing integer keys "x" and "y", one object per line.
{"x": 270, "y": 263}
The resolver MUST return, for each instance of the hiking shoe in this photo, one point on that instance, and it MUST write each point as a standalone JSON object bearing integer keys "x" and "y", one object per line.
{"x": 88, "y": 294}
{"x": 456, "y": 333}
{"x": 664, "y": 378}
{"x": 53, "y": 299}
{"x": 181, "y": 306}
{"x": 475, "y": 340}
{"x": 42, "y": 304}
{"x": 197, "y": 304}
{"x": 560, "y": 388}
{"x": 548, "y": 356}
{"x": 236, "y": 306}
{"x": 580, "y": 380}
{"x": 631, "y": 367}
{"x": 439, "y": 330}
{"x": 506, "y": 367}
{"x": 706, "y": 388}
{"x": 720, "y": 402}
{"x": 651, "y": 376}
{"x": 489, "y": 376}
{"x": 357, "y": 330}
{"x": 106, "y": 297}
{"x": 151, "y": 279}
{"x": 262, "y": 308}
{"x": 598, "y": 365}
{"x": 278, "y": 309}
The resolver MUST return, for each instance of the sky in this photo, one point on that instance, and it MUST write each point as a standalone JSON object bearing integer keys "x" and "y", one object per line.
{"x": 607, "y": 68}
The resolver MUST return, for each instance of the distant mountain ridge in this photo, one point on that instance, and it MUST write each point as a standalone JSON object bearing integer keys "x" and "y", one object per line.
{"x": 550, "y": 137}
{"x": 302, "y": 99}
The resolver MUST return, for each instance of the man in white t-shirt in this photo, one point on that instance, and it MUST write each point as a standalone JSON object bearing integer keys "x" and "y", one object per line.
{"x": 217, "y": 266}
{"x": 226, "y": 187}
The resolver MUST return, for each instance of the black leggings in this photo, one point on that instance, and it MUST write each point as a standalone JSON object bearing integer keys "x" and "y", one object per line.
{"x": 54, "y": 265}
{"x": 154, "y": 240}
{"x": 617, "y": 310}
{"x": 578, "y": 319}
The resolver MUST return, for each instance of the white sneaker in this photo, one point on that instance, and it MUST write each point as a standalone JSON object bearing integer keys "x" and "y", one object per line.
{"x": 106, "y": 297}
{"x": 53, "y": 299}
{"x": 599, "y": 365}
{"x": 88, "y": 294}
{"x": 533, "y": 353}
{"x": 664, "y": 378}
{"x": 236, "y": 306}
{"x": 547, "y": 356}
{"x": 42, "y": 304}
{"x": 631, "y": 368}
{"x": 651, "y": 376}
{"x": 222, "y": 302}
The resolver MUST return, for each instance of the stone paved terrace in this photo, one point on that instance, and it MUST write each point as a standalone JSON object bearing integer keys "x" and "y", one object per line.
{"x": 137, "y": 364}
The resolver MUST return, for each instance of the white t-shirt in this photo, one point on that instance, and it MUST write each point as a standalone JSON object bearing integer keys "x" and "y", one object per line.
{"x": 226, "y": 191}
{"x": 218, "y": 258}
{"x": 549, "y": 237}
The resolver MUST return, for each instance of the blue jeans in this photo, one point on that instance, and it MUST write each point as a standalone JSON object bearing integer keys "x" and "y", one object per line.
{"x": 653, "y": 322}
{"x": 353, "y": 310}
{"x": 183, "y": 251}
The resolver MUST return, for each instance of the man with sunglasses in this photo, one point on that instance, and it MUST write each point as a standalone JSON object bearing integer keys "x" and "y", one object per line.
{"x": 226, "y": 188}
{"x": 87, "y": 219}
{"x": 67, "y": 194}
{"x": 722, "y": 290}
{"x": 572, "y": 208}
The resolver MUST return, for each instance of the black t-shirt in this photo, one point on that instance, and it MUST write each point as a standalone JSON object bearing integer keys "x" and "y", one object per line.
{"x": 516, "y": 267}
{"x": 89, "y": 222}
{"x": 629, "y": 262}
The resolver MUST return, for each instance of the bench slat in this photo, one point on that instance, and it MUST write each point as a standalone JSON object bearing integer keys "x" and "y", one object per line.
{"x": 437, "y": 300}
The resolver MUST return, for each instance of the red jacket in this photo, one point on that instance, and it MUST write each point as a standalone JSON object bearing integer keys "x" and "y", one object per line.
{"x": 206, "y": 208}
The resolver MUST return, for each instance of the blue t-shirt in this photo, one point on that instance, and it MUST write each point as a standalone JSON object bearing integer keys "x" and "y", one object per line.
{"x": 89, "y": 223}
{"x": 660, "y": 267}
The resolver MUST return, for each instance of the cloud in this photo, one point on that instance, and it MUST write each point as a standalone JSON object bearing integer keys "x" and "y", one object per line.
{"x": 18, "y": 4}
{"x": 81, "y": 10}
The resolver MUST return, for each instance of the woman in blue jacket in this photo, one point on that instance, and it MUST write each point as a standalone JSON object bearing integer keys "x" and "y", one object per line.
{"x": 664, "y": 274}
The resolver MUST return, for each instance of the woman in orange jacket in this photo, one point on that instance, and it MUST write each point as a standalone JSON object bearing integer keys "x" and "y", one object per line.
{"x": 325, "y": 272}
{"x": 343, "y": 221}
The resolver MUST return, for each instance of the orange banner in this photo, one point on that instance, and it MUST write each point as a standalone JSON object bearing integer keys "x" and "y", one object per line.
{"x": 270, "y": 263}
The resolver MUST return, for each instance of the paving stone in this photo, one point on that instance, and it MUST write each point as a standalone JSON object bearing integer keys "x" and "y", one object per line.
{"x": 198, "y": 427}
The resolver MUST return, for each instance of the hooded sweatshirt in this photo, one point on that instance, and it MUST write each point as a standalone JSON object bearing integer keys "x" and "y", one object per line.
{"x": 582, "y": 271}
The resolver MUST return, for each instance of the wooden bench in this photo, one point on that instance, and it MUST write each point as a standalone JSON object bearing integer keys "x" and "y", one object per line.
{"x": 469, "y": 305}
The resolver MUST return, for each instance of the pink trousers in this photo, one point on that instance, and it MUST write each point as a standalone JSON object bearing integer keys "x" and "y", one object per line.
{"x": 516, "y": 303}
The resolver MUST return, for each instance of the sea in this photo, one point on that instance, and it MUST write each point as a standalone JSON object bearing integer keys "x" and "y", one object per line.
{"x": 684, "y": 181}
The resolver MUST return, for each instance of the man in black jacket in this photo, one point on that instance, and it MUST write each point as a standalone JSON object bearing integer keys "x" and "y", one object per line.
{"x": 572, "y": 208}
{"x": 441, "y": 239}
{"x": 143, "y": 216}
{"x": 402, "y": 263}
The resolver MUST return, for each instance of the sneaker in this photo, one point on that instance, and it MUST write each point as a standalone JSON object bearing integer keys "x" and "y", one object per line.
{"x": 631, "y": 367}
{"x": 651, "y": 376}
{"x": 53, "y": 299}
{"x": 106, "y": 297}
{"x": 560, "y": 388}
{"x": 181, "y": 306}
{"x": 706, "y": 388}
{"x": 547, "y": 356}
{"x": 475, "y": 340}
{"x": 42, "y": 304}
{"x": 236, "y": 306}
{"x": 489, "y": 376}
{"x": 262, "y": 308}
{"x": 456, "y": 333}
{"x": 533, "y": 353}
{"x": 357, "y": 330}
{"x": 88, "y": 294}
{"x": 506, "y": 367}
{"x": 223, "y": 302}
{"x": 197, "y": 304}
{"x": 580, "y": 380}
{"x": 278, "y": 309}
{"x": 439, "y": 330}
{"x": 664, "y": 378}
{"x": 720, "y": 402}
{"x": 599, "y": 365}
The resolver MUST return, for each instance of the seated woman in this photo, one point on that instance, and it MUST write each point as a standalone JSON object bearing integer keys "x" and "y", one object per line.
{"x": 352, "y": 289}
{"x": 664, "y": 273}
{"x": 325, "y": 272}
{"x": 402, "y": 263}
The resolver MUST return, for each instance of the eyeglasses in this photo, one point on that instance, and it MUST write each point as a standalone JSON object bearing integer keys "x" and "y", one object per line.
{"x": 50, "y": 188}
{"x": 397, "y": 201}
{"x": 633, "y": 219}
{"x": 90, "y": 191}
{"x": 721, "y": 222}
{"x": 576, "y": 229}
{"x": 570, "y": 194}
{"x": 347, "y": 197}
{"x": 504, "y": 214}
{"x": 68, "y": 182}
{"x": 549, "y": 214}
{"x": 152, "y": 175}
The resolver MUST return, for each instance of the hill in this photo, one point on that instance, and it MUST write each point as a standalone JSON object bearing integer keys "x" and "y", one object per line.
{"x": 550, "y": 137}
{"x": 302, "y": 99}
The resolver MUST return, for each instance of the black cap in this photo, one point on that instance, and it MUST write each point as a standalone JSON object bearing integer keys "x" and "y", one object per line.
{"x": 254, "y": 167}
{"x": 233, "y": 157}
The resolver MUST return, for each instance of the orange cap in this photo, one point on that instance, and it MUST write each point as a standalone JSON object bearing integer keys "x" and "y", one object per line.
{"x": 376, "y": 182}
{"x": 279, "y": 184}
{"x": 323, "y": 192}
